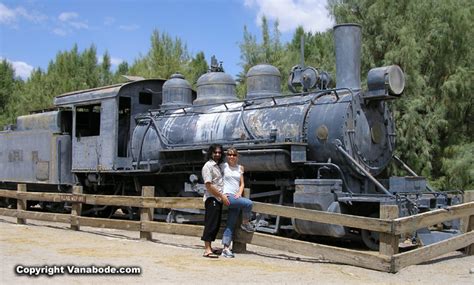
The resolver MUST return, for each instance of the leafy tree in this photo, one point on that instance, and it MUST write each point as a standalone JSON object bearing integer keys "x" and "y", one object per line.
{"x": 7, "y": 83}
{"x": 166, "y": 56}
{"x": 197, "y": 67}
{"x": 105, "y": 74}
{"x": 122, "y": 69}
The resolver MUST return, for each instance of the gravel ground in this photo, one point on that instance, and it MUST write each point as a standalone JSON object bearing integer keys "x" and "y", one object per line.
{"x": 173, "y": 259}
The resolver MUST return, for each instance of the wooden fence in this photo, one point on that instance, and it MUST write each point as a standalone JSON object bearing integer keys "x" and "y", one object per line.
{"x": 389, "y": 225}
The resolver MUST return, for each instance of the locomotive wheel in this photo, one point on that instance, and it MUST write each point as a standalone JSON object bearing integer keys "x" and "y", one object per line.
{"x": 107, "y": 212}
{"x": 370, "y": 239}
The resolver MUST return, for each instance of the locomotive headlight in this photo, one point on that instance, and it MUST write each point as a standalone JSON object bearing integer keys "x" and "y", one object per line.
{"x": 387, "y": 80}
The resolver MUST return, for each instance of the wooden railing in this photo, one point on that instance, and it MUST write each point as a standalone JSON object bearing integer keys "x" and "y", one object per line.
{"x": 389, "y": 225}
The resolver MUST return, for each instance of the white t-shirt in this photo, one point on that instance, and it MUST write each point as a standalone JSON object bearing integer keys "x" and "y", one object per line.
{"x": 231, "y": 177}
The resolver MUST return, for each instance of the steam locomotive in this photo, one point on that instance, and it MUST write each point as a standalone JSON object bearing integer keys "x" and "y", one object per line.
{"x": 318, "y": 148}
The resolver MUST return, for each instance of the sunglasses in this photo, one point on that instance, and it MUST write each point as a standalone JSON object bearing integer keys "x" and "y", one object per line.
{"x": 232, "y": 155}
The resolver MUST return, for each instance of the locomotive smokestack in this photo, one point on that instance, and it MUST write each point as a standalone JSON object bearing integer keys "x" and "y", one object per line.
{"x": 347, "y": 40}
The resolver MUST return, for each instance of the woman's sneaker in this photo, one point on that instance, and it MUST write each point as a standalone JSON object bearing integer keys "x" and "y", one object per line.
{"x": 227, "y": 253}
{"x": 247, "y": 228}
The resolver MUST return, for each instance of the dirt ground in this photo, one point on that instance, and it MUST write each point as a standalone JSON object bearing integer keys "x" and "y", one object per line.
{"x": 173, "y": 259}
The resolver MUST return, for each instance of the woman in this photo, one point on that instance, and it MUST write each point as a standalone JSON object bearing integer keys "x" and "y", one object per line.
{"x": 233, "y": 175}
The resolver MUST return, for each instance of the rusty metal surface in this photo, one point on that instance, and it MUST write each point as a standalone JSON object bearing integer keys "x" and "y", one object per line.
{"x": 46, "y": 159}
{"x": 265, "y": 121}
{"x": 40, "y": 121}
{"x": 100, "y": 152}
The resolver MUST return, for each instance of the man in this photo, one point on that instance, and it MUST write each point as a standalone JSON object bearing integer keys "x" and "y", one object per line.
{"x": 213, "y": 198}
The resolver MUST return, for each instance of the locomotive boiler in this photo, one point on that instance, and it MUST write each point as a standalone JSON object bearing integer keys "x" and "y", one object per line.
{"x": 318, "y": 148}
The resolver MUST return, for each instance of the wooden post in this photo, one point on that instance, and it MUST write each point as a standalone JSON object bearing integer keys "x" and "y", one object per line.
{"x": 239, "y": 247}
{"x": 21, "y": 203}
{"x": 388, "y": 242}
{"x": 468, "y": 197}
{"x": 76, "y": 209}
{"x": 146, "y": 214}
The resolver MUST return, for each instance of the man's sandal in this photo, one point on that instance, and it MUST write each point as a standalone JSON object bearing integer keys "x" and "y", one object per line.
{"x": 210, "y": 255}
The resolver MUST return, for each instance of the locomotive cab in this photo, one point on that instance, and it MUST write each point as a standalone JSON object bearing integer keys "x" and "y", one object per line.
{"x": 102, "y": 120}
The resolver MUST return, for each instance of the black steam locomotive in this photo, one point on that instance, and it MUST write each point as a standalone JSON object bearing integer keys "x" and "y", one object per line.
{"x": 318, "y": 148}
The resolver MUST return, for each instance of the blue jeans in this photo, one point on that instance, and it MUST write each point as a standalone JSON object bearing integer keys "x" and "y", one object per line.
{"x": 233, "y": 213}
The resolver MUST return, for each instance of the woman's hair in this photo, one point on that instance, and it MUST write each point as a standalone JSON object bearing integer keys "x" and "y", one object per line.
{"x": 232, "y": 150}
{"x": 212, "y": 149}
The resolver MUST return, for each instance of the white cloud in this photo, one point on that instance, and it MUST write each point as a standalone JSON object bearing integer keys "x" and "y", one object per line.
{"x": 311, "y": 14}
{"x": 116, "y": 61}
{"x": 68, "y": 16}
{"x": 60, "y": 32}
{"x": 128, "y": 28}
{"x": 11, "y": 16}
{"x": 79, "y": 25}
{"x": 68, "y": 22}
{"x": 6, "y": 15}
{"x": 22, "y": 69}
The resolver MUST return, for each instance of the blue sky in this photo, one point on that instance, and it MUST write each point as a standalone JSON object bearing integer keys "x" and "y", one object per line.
{"x": 33, "y": 31}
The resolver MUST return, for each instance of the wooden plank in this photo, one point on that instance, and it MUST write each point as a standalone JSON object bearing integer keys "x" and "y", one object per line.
{"x": 388, "y": 242}
{"x": 51, "y": 217}
{"x": 106, "y": 223}
{"x": 318, "y": 251}
{"x": 8, "y": 193}
{"x": 175, "y": 229}
{"x": 41, "y": 196}
{"x": 174, "y": 202}
{"x": 431, "y": 251}
{"x": 112, "y": 200}
{"x": 146, "y": 214}
{"x": 470, "y": 249}
{"x": 377, "y": 225}
{"x": 76, "y": 208}
{"x": 8, "y": 212}
{"x": 146, "y": 202}
{"x": 21, "y": 203}
{"x": 239, "y": 247}
{"x": 467, "y": 197}
{"x": 413, "y": 223}
{"x": 40, "y": 216}
{"x": 467, "y": 223}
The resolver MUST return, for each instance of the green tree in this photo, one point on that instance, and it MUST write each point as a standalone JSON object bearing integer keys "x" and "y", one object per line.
{"x": 7, "y": 83}
{"x": 122, "y": 69}
{"x": 166, "y": 56}
{"x": 105, "y": 74}
{"x": 9, "y": 87}
{"x": 197, "y": 67}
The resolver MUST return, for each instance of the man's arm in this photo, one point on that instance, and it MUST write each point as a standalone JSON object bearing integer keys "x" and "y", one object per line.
{"x": 216, "y": 193}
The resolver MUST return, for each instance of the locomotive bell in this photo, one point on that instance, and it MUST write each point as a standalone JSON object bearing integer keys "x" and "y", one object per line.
{"x": 177, "y": 92}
